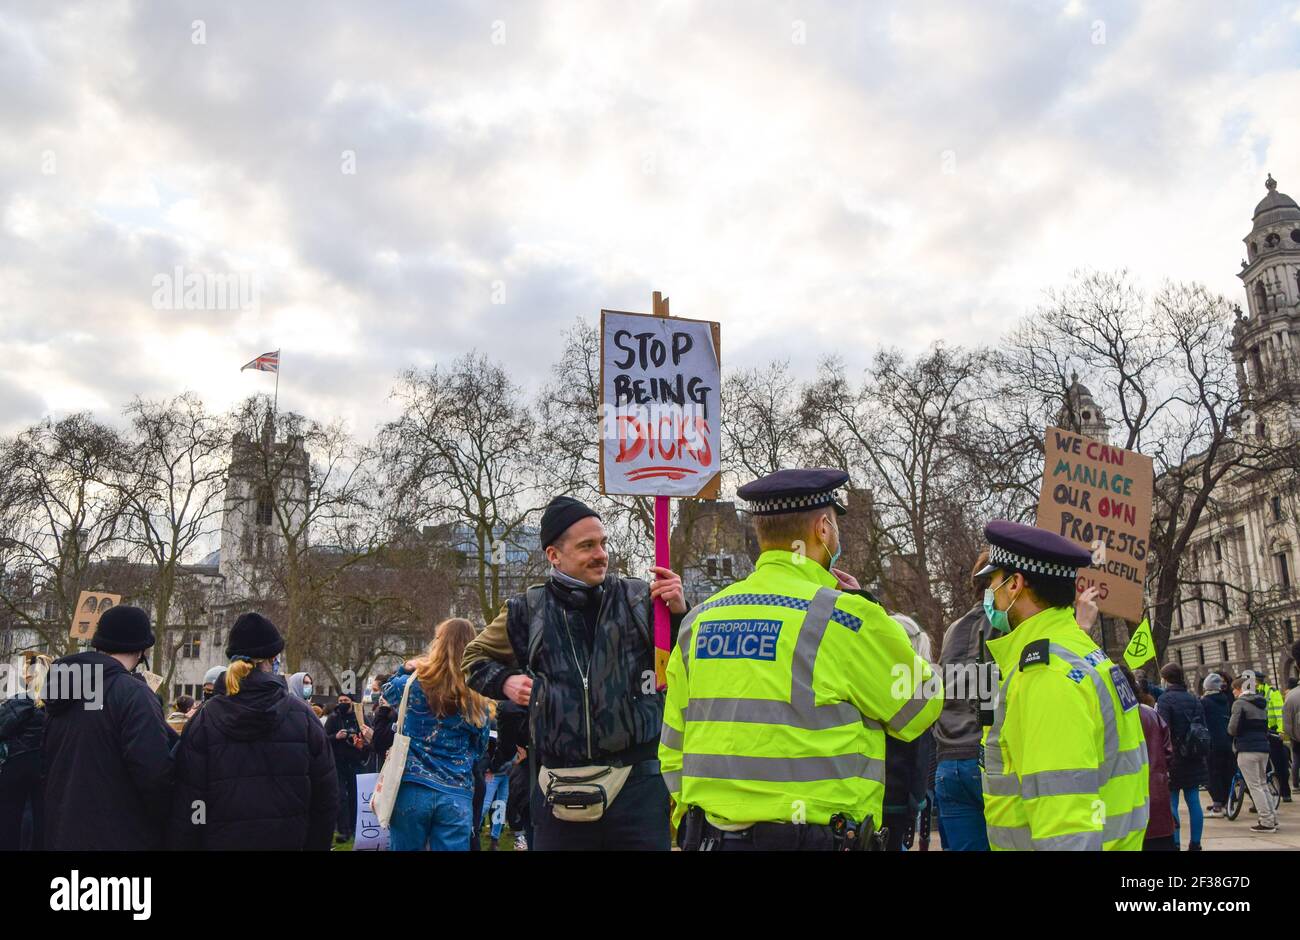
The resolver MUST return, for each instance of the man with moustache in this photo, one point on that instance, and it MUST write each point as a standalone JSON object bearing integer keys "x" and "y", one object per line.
{"x": 579, "y": 652}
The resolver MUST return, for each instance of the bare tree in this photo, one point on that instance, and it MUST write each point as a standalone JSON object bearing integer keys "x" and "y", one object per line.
{"x": 383, "y": 609}
{"x": 898, "y": 433}
{"x": 763, "y": 429}
{"x": 61, "y": 516}
{"x": 462, "y": 452}
{"x": 171, "y": 479}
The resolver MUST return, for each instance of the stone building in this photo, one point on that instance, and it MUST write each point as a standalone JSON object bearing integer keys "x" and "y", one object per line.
{"x": 1241, "y": 607}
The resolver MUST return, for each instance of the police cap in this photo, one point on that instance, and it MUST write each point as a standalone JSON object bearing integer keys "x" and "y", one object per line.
{"x": 795, "y": 490}
{"x": 1032, "y": 550}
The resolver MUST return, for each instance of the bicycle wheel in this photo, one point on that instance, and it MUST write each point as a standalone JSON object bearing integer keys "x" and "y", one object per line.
{"x": 1236, "y": 796}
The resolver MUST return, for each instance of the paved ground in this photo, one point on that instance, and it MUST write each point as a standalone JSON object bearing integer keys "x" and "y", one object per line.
{"x": 1222, "y": 835}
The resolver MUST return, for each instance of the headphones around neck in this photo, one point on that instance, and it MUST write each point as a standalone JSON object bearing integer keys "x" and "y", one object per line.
{"x": 575, "y": 598}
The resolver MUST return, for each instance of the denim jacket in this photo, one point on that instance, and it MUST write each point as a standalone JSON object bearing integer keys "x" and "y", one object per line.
{"x": 443, "y": 749}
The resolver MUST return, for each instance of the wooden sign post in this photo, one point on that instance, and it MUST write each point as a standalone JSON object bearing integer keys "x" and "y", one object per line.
{"x": 661, "y": 421}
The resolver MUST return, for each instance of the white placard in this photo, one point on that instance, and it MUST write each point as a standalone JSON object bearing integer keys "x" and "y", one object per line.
{"x": 661, "y": 405}
{"x": 371, "y": 837}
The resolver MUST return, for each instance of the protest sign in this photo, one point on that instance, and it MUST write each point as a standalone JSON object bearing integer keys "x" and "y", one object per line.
{"x": 661, "y": 421}
{"x": 370, "y": 837}
{"x": 153, "y": 680}
{"x": 1099, "y": 497}
{"x": 90, "y": 607}
{"x": 661, "y": 405}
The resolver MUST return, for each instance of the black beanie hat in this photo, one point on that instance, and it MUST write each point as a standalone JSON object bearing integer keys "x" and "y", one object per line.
{"x": 123, "y": 629}
{"x": 254, "y": 637}
{"x": 559, "y": 514}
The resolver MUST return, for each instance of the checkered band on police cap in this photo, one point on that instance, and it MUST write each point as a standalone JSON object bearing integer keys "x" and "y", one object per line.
{"x": 1001, "y": 557}
{"x": 780, "y": 504}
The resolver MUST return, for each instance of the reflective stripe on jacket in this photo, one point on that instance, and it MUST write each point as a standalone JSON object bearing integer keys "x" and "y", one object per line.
{"x": 781, "y": 690}
{"x": 1065, "y": 761}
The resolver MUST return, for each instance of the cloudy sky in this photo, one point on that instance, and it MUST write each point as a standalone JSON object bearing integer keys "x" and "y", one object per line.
{"x": 395, "y": 184}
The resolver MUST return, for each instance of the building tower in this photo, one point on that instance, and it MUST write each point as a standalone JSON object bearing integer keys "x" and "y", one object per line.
{"x": 268, "y": 482}
{"x": 1081, "y": 413}
{"x": 1266, "y": 340}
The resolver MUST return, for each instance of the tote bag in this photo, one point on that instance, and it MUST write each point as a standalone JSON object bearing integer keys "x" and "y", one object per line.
{"x": 384, "y": 798}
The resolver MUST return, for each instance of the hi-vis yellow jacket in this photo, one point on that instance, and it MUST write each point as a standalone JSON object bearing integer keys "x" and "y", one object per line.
{"x": 1065, "y": 761}
{"x": 781, "y": 690}
{"x": 1273, "y": 699}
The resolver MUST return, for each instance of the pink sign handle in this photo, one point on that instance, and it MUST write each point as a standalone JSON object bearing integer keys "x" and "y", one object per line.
{"x": 663, "y": 559}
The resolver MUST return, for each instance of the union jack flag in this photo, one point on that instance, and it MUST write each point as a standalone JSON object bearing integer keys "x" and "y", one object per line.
{"x": 267, "y": 362}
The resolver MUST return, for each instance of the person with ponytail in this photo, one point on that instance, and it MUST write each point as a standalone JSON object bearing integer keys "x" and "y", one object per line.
{"x": 254, "y": 769}
{"x": 448, "y": 724}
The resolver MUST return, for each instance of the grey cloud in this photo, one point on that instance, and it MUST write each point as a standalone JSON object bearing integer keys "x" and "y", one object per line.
{"x": 18, "y": 406}
{"x": 450, "y": 131}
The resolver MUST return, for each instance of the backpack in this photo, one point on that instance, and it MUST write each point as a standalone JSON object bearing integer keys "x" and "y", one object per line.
{"x": 1196, "y": 742}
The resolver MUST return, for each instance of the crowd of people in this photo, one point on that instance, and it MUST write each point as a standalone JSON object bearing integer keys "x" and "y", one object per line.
{"x": 551, "y": 720}
{"x": 88, "y": 761}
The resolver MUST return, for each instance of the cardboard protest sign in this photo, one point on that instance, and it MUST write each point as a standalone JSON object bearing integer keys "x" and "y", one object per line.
{"x": 90, "y": 607}
{"x": 661, "y": 405}
{"x": 152, "y": 679}
{"x": 1099, "y": 497}
{"x": 370, "y": 837}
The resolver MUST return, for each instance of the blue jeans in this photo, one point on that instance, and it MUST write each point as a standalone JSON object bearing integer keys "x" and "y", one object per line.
{"x": 425, "y": 818}
{"x": 1193, "y": 810}
{"x": 959, "y": 801}
{"x": 494, "y": 802}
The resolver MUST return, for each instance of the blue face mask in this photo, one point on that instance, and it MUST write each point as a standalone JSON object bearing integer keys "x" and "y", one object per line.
{"x": 998, "y": 619}
{"x": 306, "y": 691}
{"x": 835, "y": 555}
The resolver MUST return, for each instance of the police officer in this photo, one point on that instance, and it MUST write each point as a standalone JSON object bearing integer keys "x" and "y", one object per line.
{"x": 1064, "y": 762}
{"x": 1277, "y": 751}
{"x": 782, "y": 687}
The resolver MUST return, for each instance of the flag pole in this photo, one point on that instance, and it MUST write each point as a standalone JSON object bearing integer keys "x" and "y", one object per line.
{"x": 275, "y": 405}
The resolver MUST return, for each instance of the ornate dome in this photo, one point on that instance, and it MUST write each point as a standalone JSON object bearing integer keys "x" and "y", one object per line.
{"x": 1082, "y": 409}
{"x": 1275, "y": 207}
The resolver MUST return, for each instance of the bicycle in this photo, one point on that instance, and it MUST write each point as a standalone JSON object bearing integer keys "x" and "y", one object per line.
{"x": 1237, "y": 793}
